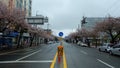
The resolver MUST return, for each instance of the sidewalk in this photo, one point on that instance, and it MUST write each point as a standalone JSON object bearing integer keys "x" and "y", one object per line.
{"x": 14, "y": 49}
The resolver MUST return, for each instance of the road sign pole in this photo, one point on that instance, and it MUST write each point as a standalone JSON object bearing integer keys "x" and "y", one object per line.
{"x": 61, "y": 34}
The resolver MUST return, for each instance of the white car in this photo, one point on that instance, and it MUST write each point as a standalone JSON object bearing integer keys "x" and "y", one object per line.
{"x": 50, "y": 42}
{"x": 83, "y": 45}
{"x": 115, "y": 50}
{"x": 105, "y": 47}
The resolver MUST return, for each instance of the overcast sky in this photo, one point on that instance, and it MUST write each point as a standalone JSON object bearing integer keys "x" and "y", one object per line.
{"x": 65, "y": 15}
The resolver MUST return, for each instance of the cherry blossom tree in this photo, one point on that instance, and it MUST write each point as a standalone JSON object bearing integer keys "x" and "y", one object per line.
{"x": 111, "y": 27}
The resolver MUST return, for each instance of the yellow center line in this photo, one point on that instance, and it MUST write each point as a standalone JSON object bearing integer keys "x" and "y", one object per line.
{"x": 54, "y": 61}
{"x": 64, "y": 60}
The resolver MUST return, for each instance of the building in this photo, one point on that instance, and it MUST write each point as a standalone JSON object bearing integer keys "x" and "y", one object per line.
{"x": 91, "y": 21}
{"x": 88, "y": 23}
{"x": 49, "y": 31}
{"x": 29, "y": 7}
{"x": 25, "y": 5}
{"x": 9, "y": 3}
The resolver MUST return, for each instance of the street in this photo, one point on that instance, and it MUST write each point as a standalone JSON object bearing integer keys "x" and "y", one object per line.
{"x": 59, "y": 34}
{"x": 44, "y": 56}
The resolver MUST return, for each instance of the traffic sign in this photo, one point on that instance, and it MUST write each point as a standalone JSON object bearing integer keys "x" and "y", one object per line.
{"x": 60, "y": 34}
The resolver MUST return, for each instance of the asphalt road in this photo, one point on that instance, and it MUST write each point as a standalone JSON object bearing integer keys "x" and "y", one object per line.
{"x": 84, "y": 57}
{"x": 44, "y": 56}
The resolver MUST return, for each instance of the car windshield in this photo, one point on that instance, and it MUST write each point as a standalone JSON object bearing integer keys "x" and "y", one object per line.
{"x": 105, "y": 44}
{"x": 59, "y": 33}
{"x": 117, "y": 45}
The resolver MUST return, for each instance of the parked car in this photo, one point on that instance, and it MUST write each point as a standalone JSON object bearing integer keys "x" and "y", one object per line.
{"x": 105, "y": 47}
{"x": 82, "y": 44}
{"x": 50, "y": 42}
{"x": 115, "y": 49}
{"x": 79, "y": 42}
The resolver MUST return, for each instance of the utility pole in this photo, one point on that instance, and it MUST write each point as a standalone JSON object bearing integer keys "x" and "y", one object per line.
{"x": 48, "y": 28}
{"x": 78, "y": 26}
{"x": 37, "y": 13}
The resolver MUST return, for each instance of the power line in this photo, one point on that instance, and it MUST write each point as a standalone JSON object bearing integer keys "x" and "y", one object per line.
{"x": 116, "y": 10}
{"x": 115, "y": 3}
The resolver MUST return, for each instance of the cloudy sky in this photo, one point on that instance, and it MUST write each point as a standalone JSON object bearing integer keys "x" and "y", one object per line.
{"x": 65, "y": 15}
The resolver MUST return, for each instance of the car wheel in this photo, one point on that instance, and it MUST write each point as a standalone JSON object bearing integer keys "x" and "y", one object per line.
{"x": 99, "y": 49}
{"x": 105, "y": 50}
{"x": 111, "y": 52}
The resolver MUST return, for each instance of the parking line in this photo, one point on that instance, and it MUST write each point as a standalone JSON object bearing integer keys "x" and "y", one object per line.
{"x": 105, "y": 63}
{"x": 28, "y": 55}
{"x": 54, "y": 61}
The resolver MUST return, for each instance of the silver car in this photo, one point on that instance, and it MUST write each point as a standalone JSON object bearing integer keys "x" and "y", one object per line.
{"x": 105, "y": 47}
{"x": 115, "y": 50}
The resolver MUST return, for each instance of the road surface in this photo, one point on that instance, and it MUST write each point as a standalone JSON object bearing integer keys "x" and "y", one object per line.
{"x": 45, "y": 56}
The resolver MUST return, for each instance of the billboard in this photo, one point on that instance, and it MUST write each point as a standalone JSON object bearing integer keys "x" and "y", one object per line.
{"x": 39, "y": 20}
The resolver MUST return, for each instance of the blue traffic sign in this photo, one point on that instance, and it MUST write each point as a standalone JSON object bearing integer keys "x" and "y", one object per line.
{"x": 60, "y": 33}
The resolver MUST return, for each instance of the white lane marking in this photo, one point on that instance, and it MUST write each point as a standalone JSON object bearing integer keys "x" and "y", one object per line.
{"x": 11, "y": 52}
{"x": 28, "y": 55}
{"x": 27, "y": 52}
{"x": 83, "y": 52}
{"x": 105, "y": 63}
{"x": 24, "y": 52}
{"x": 46, "y": 61}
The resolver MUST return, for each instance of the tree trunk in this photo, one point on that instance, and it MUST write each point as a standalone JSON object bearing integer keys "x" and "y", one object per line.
{"x": 31, "y": 40}
{"x": 96, "y": 43}
{"x": 19, "y": 38}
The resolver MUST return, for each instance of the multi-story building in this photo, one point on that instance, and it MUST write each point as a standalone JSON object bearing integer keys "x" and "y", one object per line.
{"x": 88, "y": 23}
{"x": 9, "y": 3}
{"x": 25, "y": 5}
{"x": 91, "y": 21}
{"x": 28, "y": 7}
{"x": 5, "y": 2}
